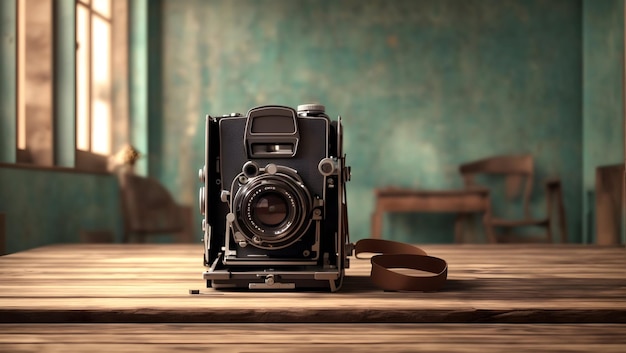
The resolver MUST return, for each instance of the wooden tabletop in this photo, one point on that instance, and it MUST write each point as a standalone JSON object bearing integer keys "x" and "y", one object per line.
{"x": 130, "y": 298}
{"x": 151, "y": 283}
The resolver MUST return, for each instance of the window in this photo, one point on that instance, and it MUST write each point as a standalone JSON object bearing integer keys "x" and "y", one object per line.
{"x": 81, "y": 47}
{"x": 34, "y": 87}
{"x": 94, "y": 76}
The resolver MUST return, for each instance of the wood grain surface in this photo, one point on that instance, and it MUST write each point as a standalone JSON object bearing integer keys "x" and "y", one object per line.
{"x": 122, "y": 338}
{"x": 115, "y": 283}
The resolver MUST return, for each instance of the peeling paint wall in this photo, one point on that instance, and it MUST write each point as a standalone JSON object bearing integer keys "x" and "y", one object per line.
{"x": 48, "y": 207}
{"x": 422, "y": 86}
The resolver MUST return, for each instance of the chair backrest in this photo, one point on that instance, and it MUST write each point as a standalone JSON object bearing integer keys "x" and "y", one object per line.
{"x": 518, "y": 171}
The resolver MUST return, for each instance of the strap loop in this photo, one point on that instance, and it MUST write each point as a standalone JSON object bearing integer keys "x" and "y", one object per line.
{"x": 400, "y": 255}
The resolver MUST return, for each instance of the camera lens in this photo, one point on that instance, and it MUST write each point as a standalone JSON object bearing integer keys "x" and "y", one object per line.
{"x": 270, "y": 209}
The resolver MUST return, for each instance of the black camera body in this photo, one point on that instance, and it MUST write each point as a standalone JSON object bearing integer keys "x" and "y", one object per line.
{"x": 273, "y": 200}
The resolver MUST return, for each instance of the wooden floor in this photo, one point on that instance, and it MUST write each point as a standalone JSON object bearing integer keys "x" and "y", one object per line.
{"x": 128, "y": 298}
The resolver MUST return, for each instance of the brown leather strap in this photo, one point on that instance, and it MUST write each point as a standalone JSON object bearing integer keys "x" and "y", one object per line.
{"x": 394, "y": 254}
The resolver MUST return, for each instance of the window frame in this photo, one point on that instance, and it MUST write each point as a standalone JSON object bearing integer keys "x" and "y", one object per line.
{"x": 92, "y": 13}
{"x": 63, "y": 117}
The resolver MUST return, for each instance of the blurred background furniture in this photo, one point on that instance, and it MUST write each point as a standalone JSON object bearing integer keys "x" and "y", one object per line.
{"x": 609, "y": 188}
{"x": 462, "y": 202}
{"x": 149, "y": 209}
{"x": 514, "y": 210}
{"x": 96, "y": 236}
{"x": 3, "y": 238}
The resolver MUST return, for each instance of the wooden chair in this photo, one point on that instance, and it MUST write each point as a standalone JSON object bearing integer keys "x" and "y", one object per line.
{"x": 517, "y": 172}
{"x": 148, "y": 208}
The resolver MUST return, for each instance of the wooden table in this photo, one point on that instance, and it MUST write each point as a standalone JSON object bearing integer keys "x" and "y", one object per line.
{"x": 462, "y": 202}
{"x": 128, "y": 298}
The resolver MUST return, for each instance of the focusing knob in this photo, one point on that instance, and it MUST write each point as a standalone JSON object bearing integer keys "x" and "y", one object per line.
{"x": 328, "y": 166}
{"x": 201, "y": 201}
{"x": 311, "y": 109}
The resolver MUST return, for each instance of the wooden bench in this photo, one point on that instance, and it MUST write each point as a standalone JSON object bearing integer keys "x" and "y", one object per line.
{"x": 462, "y": 202}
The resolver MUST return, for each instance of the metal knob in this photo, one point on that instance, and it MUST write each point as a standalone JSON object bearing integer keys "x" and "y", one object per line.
{"x": 201, "y": 199}
{"x": 202, "y": 174}
{"x": 311, "y": 109}
{"x": 328, "y": 166}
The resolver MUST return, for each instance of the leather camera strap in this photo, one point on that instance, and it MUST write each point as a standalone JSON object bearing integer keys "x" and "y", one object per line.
{"x": 394, "y": 255}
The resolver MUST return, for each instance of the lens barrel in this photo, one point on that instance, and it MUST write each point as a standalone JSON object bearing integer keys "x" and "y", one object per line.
{"x": 272, "y": 210}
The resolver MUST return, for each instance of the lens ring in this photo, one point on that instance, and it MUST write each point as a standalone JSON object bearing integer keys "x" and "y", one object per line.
{"x": 280, "y": 227}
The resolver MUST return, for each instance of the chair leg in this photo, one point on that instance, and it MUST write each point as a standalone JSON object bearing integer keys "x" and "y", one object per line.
{"x": 464, "y": 226}
{"x": 549, "y": 232}
{"x": 562, "y": 223}
{"x": 490, "y": 231}
{"x": 377, "y": 224}
{"x": 556, "y": 192}
{"x": 458, "y": 228}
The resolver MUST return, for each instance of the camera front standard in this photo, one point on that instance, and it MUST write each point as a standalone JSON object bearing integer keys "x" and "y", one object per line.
{"x": 274, "y": 200}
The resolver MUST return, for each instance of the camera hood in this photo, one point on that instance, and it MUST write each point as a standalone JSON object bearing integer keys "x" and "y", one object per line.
{"x": 272, "y": 132}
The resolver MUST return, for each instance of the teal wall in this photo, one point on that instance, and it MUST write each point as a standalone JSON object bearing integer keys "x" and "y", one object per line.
{"x": 46, "y": 207}
{"x": 8, "y": 78}
{"x": 603, "y": 129}
{"x": 422, "y": 86}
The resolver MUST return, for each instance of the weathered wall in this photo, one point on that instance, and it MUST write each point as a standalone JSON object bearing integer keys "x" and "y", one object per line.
{"x": 46, "y": 207}
{"x": 422, "y": 87}
{"x": 603, "y": 129}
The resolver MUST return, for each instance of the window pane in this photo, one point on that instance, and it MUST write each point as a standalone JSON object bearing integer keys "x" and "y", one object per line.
{"x": 82, "y": 78}
{"x": 38, "y": 81}
{"x": 101, "y": 124}
{"x": 101, "y": 86}
{"x": 103, "y": 7}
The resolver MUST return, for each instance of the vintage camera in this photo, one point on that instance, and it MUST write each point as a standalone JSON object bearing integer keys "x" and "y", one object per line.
{"x": 274, "y": 200}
